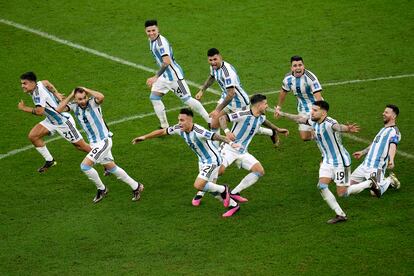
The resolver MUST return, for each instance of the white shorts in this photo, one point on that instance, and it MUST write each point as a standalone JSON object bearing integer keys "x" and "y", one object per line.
{"x": 340, "y": 175}
{"x": 67, "y": 130}
{"x": 101, "y": 152}
{"x": 179, "y": 87}
{"x": 208, "y": 172}
{"x": 363, "y": 173}
{"x": 243, "y": 160}
{"x": 303, "y": 127}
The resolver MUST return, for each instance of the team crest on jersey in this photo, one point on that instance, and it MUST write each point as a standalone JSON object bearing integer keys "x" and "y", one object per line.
{"x": 228, "y": 81}
{"x": 37, "y": 100}
{"x": 234, "y": 116}
{"x": 162, "y": 50}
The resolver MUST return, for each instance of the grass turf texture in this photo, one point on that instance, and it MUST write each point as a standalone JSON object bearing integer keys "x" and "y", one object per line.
{"x": 50, "y": 226}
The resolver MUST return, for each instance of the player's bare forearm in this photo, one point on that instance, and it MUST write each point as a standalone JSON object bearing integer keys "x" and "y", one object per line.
{"x": 270, "y": 125}
{"x": 207, "y": 83}
{"x": 392, "y": 151}
{"x": 282, "y": 97}
{"x": 99, "y": 97}
{"x": 352, "y": 128}
{"x": 230, "y": 95}
{"x": 53, "y": 89}
{"x": 297, "y": 118}
{"x": 153, "y": 134}
{"x": 218, "y": 137}
{"x": 318, "y": 95}
{"x": 162, "y": 69}
{"x": 63, "y": 105}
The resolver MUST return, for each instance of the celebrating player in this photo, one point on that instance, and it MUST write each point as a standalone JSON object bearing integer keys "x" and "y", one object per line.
{"x": 87, "y": 109}
{"x": 379, "y": 156}
{"x": 306, "y": 88}
{"x": 245, "y": 125}
{"x": 336, "y": 163}
{"x": 200, "y": 141}
{"x": 170, "y": 76}
{"x": 233, "y": 97}
{"x": 46, "y": 99}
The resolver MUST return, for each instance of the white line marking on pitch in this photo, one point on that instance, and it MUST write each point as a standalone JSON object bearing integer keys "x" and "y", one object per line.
{"x": 150, "y": 70}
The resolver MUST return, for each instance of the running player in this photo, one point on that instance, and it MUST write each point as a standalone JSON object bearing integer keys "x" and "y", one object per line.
{"x": 245, "y": 125}
{"x": 379, "y": 156}
{"x": 233, "y": 97}
{"x": 200, "y": 141}
{"x": 307, "y": 89}
{"x": 336, "y": 163}
{"x": 170, "y": 76}
{"x": 46, "y": 98}
{"x": 87, "y": 109}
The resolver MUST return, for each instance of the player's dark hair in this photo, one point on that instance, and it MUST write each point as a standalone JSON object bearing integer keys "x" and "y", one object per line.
{"x": 212, "y": 52}
{"x": 296, "y": 58}
{"x": 29, "y": 76}
{"x": 151, "y": 22}
{"x": 257, "y": 98}
{"x": 322, "y": 104}
{"x": 394, "y": 108}
{"x": 78, "y": 90}
{"x": 187, "y": 111}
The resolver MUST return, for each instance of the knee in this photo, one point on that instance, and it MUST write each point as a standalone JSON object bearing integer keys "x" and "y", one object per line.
{"x": 199, "y": 186}
{"x": 32, "y": 137}
{"x": 85, "y": 167}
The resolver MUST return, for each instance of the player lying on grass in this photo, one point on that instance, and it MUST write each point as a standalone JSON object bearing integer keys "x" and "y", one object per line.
{"x": 246, "y": 124}
{"x": 87, "y": 109}
{"x": 200, "y": 141}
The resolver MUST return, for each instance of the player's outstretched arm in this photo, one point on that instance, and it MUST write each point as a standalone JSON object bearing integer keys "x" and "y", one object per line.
{"x": 38, "y": 110}
{"x": 166, "y": 61}
{"x": 223, "y": 125}
{"x": 63, "y": 105}
{"x": 359, "y": 154}
{"x": 282, "y": 97}
{"x": 297, "y": 118}
{"x": 204, "y": 87}
{"x": 218, "y": 137}
{"x": 154, "y": 134}
{"x": 230, "y": 95}
{"x": 53, "y": 89}
{"x": 348, "y": 127}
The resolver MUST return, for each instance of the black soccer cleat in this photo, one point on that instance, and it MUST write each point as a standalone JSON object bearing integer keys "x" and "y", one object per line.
{"x": 100, "y": 194}
{"x": 375, "y": 188}
{"x": 47, "y": 165}
{"x": 337, "y": 219}
{"x": 274, "y": 138}
{"x": 137, "y": 192}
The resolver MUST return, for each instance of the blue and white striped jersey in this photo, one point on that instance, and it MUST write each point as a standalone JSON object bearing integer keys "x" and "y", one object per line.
{"x": 199, "y": 140}
{"x": 161, "y": 47}
{"x": 377, "y": 156}
{"x": 91, "y": 120}
{"x": 43, "y": 97}
{"x": 303, "y": 88}
{"x": 245, "y": 126}
{"x": 330, "y": 143}
{"x": 226, "y": 76}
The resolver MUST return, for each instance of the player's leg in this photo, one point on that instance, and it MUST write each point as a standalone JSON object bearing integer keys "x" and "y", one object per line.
{"x": 325, "y": 177}
{"x": 92, "y": 174}
{"x": 35, "y": 136}
{"x": 359, "y": 181}
{"x": 159, "y": 108}
{"x": 120, "y": 174}
{"x": 250, "y": 163}
{"x": 183, "y": 92}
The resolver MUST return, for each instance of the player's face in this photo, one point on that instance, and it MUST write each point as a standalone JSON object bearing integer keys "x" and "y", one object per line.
{"x": 152, "y": 32}
{"x": 215, "y": 61}
{"x": 185, "y": 122}
{"x": 27, "y": 85}
{"x": 317, "y": 113}
{"x": 262, "y": 106}
{"x": 297, "y": 68}
{"x": 388, "y": 115}
{"x": 81, "y": 99}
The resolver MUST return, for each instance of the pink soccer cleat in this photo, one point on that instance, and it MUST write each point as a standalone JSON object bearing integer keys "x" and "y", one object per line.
{"x": 237, "y": 197}
{"x": 231, "y": 211}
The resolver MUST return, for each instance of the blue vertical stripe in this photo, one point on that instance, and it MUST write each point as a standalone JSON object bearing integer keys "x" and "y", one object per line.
{"x": 317, "y": 128}
{"x": 88, "y": 127}
{"x": 372, "y": 149}
{"x": 381, "y": 148}
{"x": 53, "y": 116}
{"x": 330, "y": 145}
{"x": 243, "y": 129}
{"x": 97, "y": 124}
{"x": 302, "y": 101}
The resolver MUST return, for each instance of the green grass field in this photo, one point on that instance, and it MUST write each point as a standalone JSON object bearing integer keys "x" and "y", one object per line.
{"x": 48, "y": 222}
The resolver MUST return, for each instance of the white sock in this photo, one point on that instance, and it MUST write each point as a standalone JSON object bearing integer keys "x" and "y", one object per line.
{"x": 45, "y": 153}
{"x": 122, "y": 175}
{"x": 246, "y": 182}
{"x": 159, "y": 109}
{"x": 385, "y": 184}
{"x": 265, "y": 131}
{"x": 330, "y": 199}
{"x": 93, "y": 175}
{"x": 200, "y": 193}
{"x": 211, "y": 187}
{"x": 357, "y": 188}
{"x": 199, "y": 108}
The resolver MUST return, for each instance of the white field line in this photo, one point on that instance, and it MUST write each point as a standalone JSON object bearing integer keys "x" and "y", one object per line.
{"x": 150, "y": 70}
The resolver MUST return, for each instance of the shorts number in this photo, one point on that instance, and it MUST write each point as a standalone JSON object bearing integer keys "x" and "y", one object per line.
{"x": 206, "y": 169}
{"x": 340, "y": 175}
{"x": 68, "y": 135}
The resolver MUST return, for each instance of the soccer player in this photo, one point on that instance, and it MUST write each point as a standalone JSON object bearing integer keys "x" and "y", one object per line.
{"x": 379, "y": 156}
{"x": 307, "y": 89}
{"x": 336, "y": 163}
{"x": 46, "y": 98}
{"x": 245, "y": 125}
{"x": 200, "y": 141}
{"x": 170, "y": 76}
{"x": 87, "y": 109}
{"x": 233, "y": 97}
